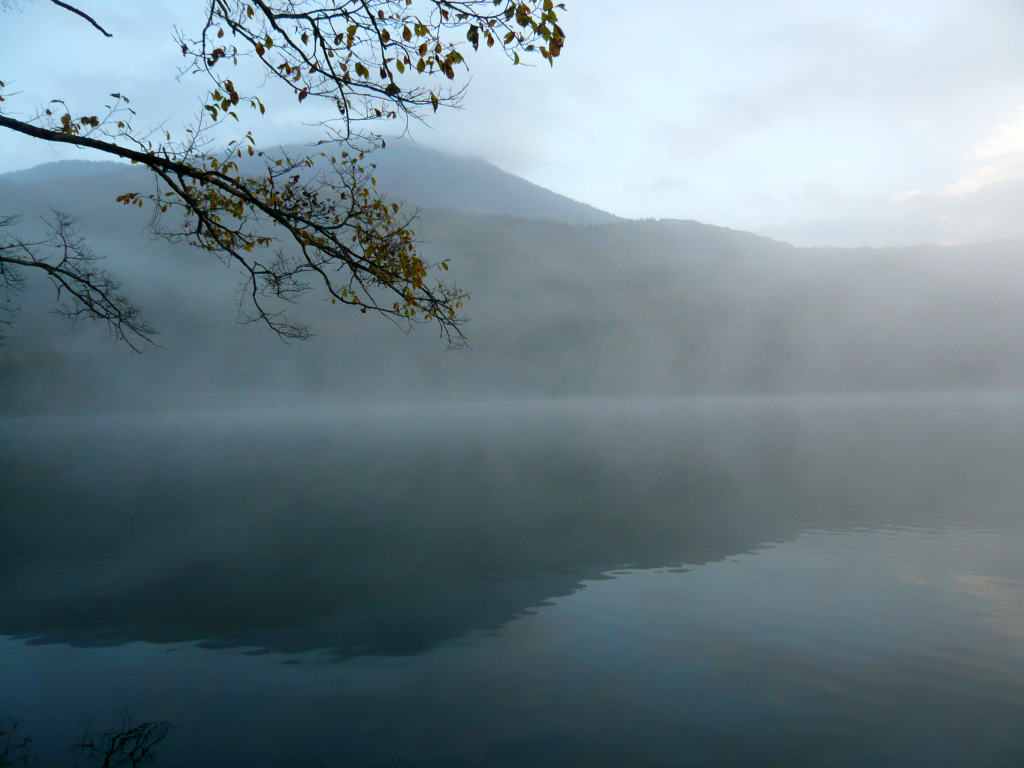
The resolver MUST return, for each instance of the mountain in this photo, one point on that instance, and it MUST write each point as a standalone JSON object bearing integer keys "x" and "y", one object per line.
{"x": 405, "y": 171}
{"x": 624, "y": 308}
{"x": 62, "y": 169}
{"x": 436, "y": 180}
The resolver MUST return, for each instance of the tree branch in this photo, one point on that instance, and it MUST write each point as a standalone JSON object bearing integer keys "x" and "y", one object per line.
{"x": 83, "y": 290}
{"x": 320, "y": 218}
{"x": 333, "y": 221}
{"x": 83, "y": 14}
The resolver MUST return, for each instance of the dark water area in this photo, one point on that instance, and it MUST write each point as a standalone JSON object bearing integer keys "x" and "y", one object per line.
{"x": 722, "y": 582}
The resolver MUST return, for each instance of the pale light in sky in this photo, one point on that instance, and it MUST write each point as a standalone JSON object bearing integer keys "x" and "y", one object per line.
{"x": 828, "y": 122}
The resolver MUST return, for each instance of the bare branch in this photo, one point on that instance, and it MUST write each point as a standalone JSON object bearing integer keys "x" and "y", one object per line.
{"x": 84, "y": 15}
{"x": 15, "y": 750}
{"x": 83, "y": 290}
{"x": 130, "y": 747}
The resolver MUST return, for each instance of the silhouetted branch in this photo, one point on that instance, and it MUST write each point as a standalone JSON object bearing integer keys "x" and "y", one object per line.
{"x": 130, "y": 747}
{"x": 14, "y": 749}
{"x": 84, "y": 15}
{"x": 83, "y": 290}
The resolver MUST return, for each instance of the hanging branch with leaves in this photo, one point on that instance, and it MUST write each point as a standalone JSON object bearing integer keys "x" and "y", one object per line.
{"x": 291, "y": 225}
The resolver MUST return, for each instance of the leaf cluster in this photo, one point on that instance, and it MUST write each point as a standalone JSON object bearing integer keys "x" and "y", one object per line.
{"x": 371, "y": 59}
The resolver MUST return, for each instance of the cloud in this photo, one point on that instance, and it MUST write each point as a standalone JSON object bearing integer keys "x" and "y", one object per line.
{"x": 983, "y": 202}
{"x": 991, "y": 212}
{"x": 1004, "y": 149}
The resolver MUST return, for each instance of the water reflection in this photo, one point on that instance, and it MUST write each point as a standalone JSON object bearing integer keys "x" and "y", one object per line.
{"x": 388, "y": 532}
{"x": 851, "y": 591}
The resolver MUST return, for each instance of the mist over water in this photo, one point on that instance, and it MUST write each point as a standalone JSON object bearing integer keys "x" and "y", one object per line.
{"x": 711, "y": 581}
{"x": 691, "y": 497}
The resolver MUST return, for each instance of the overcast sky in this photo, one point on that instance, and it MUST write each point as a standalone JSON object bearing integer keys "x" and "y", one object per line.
{"x": 824, "y": 122}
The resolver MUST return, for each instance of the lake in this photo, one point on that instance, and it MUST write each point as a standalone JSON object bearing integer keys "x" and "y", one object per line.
{"x": 820, "y": 581}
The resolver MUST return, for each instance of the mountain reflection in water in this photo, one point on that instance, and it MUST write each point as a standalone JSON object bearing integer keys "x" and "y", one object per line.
{"x": 851, "y": 591}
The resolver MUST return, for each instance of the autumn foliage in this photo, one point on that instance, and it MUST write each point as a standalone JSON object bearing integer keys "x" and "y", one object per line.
{"x": 290, "y": 225}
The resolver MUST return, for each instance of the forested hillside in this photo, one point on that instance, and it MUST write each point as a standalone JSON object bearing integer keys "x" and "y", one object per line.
{"x": 562, "y": 305}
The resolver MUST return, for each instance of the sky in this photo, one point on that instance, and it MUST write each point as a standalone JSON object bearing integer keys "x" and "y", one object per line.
{"x": 824, "y": 122}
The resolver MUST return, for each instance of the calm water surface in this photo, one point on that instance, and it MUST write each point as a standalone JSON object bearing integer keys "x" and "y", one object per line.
{"x": 790, "y": 582}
